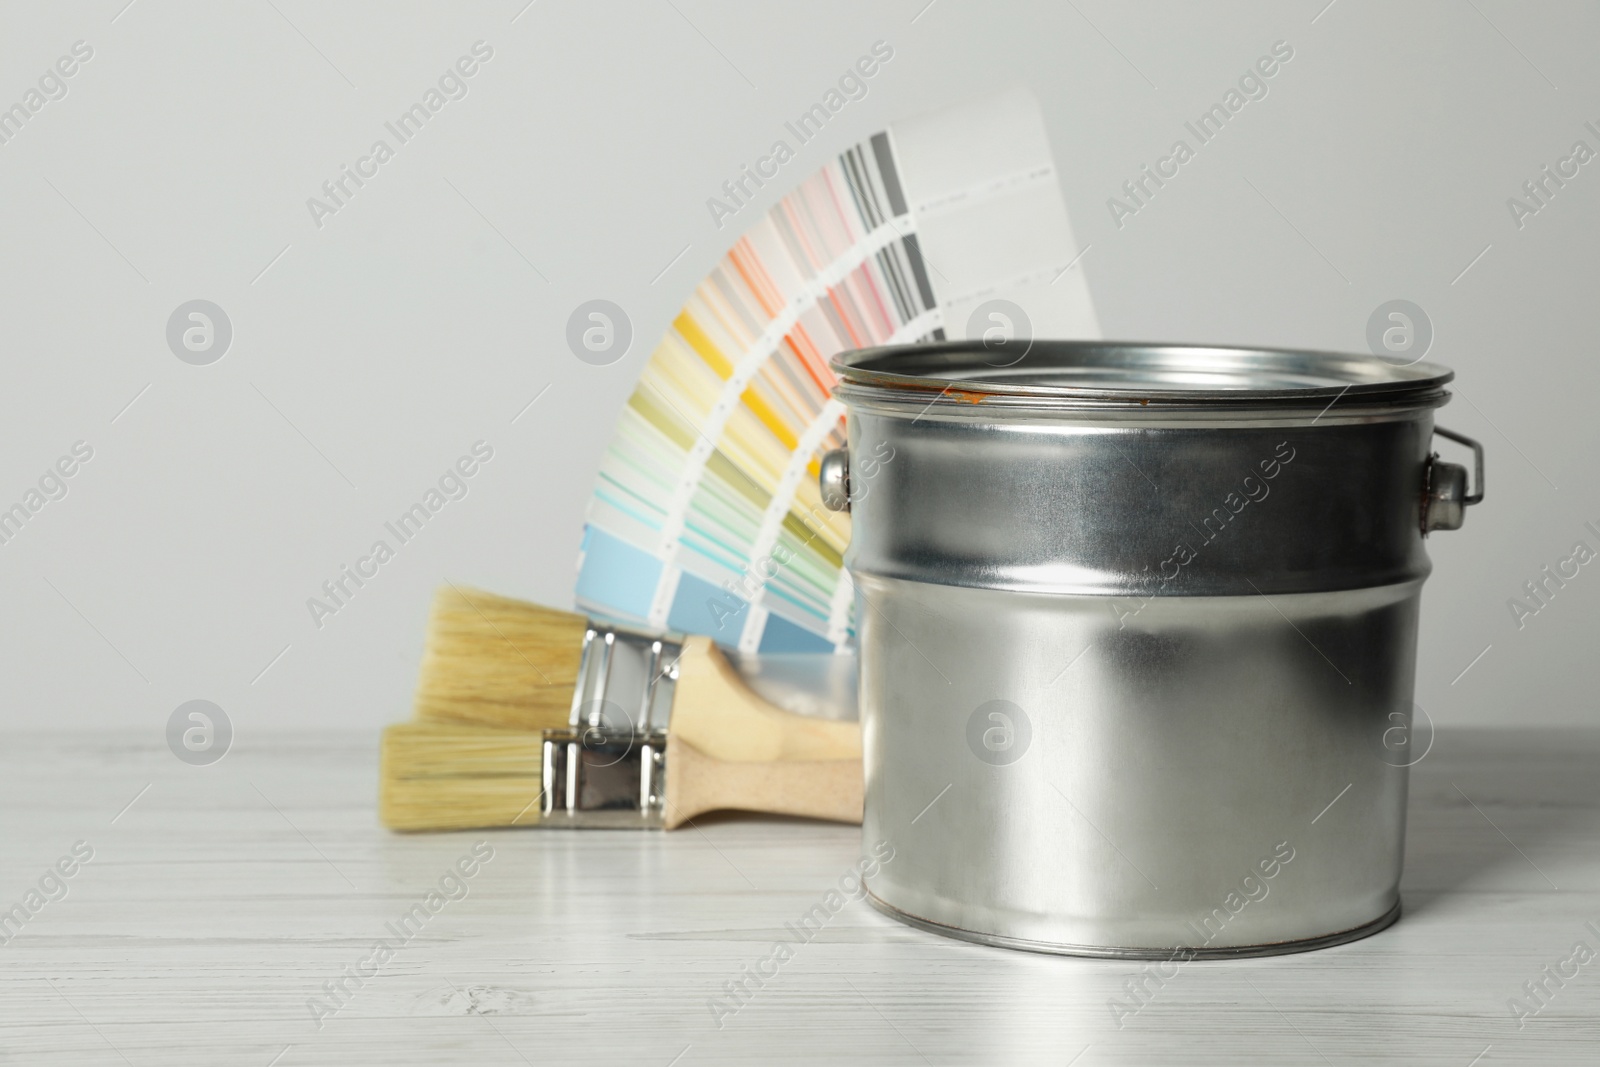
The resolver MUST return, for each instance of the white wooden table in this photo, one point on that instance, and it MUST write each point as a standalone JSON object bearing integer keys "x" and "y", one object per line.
{"x": 220, "y": 901}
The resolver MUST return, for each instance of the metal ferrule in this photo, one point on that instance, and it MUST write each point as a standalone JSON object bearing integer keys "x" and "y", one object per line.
{"x": 607, "y": 768}
{"x": 602, "y": 779}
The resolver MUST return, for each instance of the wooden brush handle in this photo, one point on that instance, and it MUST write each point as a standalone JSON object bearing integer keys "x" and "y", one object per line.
{"x": 728, "y": 749}
{"x": 818, "y": 789}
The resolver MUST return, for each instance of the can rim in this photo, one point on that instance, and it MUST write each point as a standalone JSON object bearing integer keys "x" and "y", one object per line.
{"x": 1078, "y": 375}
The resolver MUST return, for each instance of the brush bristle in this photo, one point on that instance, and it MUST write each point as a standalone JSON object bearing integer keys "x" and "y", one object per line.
{"x": 496, "y": 661}
{"x": 448, "y": 776}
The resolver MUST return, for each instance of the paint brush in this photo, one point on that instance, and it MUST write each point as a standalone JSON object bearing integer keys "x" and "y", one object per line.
{"x": 530, "y": 716}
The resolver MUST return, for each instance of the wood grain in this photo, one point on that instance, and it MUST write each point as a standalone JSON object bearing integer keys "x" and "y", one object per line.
{"x": 818, "y": 789}
{"x": 224, "y": 897}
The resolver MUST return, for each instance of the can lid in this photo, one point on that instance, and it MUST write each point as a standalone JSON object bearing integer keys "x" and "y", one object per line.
{"x": 1074, "y": 376}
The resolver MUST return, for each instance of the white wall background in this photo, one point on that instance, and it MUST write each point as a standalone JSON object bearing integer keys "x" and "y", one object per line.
{"x": 370, "y": 353}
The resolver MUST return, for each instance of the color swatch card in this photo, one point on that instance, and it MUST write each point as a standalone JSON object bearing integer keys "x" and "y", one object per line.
{"x": 706, "y": 517}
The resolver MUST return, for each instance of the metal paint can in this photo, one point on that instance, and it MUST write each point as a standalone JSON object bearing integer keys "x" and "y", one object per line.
{"x": 1137, "y": 630}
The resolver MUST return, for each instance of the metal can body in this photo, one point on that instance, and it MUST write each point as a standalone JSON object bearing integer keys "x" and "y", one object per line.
{"x": 1134, "y": 682}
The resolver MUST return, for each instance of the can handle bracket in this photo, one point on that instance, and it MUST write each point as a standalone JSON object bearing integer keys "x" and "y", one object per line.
{"x": 1445, "y": 494}
{"x": 834, "y": 480}
{"x": 1477, "y": 461}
